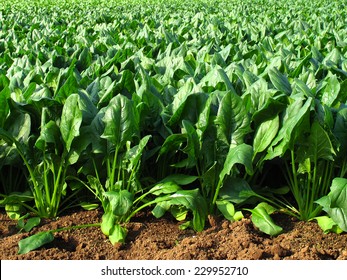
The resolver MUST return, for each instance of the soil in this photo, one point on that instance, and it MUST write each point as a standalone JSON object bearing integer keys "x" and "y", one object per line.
{"x": 161, "y": 239}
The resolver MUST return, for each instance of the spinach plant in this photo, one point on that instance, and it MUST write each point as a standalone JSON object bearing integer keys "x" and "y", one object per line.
{"x": 120, "y": 190}
{"x": 48, "y": 160}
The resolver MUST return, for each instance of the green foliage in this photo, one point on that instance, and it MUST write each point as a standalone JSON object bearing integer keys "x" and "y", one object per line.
{"x": 183, "y": 108}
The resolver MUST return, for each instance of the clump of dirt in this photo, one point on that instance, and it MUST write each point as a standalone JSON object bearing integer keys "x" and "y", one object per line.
{"x": 161, "y": 239}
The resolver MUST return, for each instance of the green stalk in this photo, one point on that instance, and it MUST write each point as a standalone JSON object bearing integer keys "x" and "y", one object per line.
{"x": 144, "y": 206}
{"x": 45, "y": 174}
{"x": 114, "y": 166}
{"x": 215, "y": 197}
{"x": 56, "y": 190}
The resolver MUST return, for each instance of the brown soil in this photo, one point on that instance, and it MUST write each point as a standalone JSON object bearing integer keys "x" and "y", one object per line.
{"x": 149, "y": 238}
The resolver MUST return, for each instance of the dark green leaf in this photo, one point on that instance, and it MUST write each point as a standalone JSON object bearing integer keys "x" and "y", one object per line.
{"x": 71, "y": 120}
{"x": 35, "y": 241}
{"x": 241, "y": 154}
{"x": 232, "y": 119}
{"x": 120, "y": 121}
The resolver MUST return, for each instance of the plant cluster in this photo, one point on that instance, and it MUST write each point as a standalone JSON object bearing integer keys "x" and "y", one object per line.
{"x": 196, "y": 110}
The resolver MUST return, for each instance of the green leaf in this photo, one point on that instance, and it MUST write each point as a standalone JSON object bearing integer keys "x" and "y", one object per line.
{"x": 49, "y": 134}
{"x": 241, "y": 154}
{"x": 264, "y": 135}
{"x": 340, "y": 131}
{"x": 262, "y": 220}
{"x": 121, "y": 201}
{"x": 31, "y": 223}
{"x": 318, "y": 144}
{"x": 180, "y": 179}
{"x": 35, "y": 241}
{"x": 69, "y": 87}
{"x": 193, "y": 146}
{"x": 227, "y": 209}
{"x": 328, "y": 225}
{"x": 291, "y": 128}
{"x": 161, "y": 208}
{"x": 118, "y": 235}
{"x": 108, "y": 221}
{"x": 120, "y": 121}
{"x": 194, "y": 202}
{"x": 172, "y": 143}
{"x": 331, "y": 91}
{"x": 88, "y": 205}
{"x": 280, "y": 81}
{"x": 14, "y": 211}
{"x": 165, "y": 187}
{"x": 335, "y": 203}
{"x": 236, "y": 190}
{"x": 134, "y": 154}
{"x": 71, "y": 120}
{"x": 232, "y": 120}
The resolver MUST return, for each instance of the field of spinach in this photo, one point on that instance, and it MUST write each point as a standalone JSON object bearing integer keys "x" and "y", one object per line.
{"x": 196, "y": 108}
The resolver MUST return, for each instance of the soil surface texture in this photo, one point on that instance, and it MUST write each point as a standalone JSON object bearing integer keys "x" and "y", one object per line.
{"x": 161, "y": 239}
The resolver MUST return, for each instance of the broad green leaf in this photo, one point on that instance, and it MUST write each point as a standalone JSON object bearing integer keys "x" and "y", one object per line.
{"x": 193, "y": 146}
{"x": 71, "y": 120}
{"x": 161, "y": 208}
{"x": 227, "y": 209}
{"x": 35, "y": 241}
{"x": 69, "y": 87}
{"x": 180, "y": 100}
{"x": 264, "y": 135}
{"x": 302, "y": 87}
{"x": 49, "y": 134}
{"x": 328, "y": 225}
{"x": 335, "y": 203}
{"x": 17, "y": 197}
{"x": 280, "y": 81}
{"x": 165, "y": 187}
{"x": 262, "y": 220}
{"x": 108, "y": 222}
{"x": 31, "y": 223}
{"x": 291, "y": 128}
{"x": 121, "y": 201}
{"x": 194, "y": 202}
{"x": 87, "y": 106}
{"x": 172, "y": 143}
{"x": 134, "y": 154}
{"x": 178, "y": 212}
{"x": 318, "y": 144}
{"x": 272, "y": 107}
{"x": 232, "y": 119}
{"x": 241, "y": 154}
{"x": 204, "y": 116}
{"x": 120, "y": 121}
{"x": 331, "y": 91}
{"x": 180, "y": 179}
{"x": 218, "y": 80}
{"x": 118, "y": 235}
{"x": 340, "y": 131}
{"x": 14, "y": 210}
{"x": 236, "y": 190}
{"x": 19, "y": 126}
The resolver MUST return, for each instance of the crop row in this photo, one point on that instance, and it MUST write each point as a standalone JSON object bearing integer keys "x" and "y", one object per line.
{"x": 197, "y": 109}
